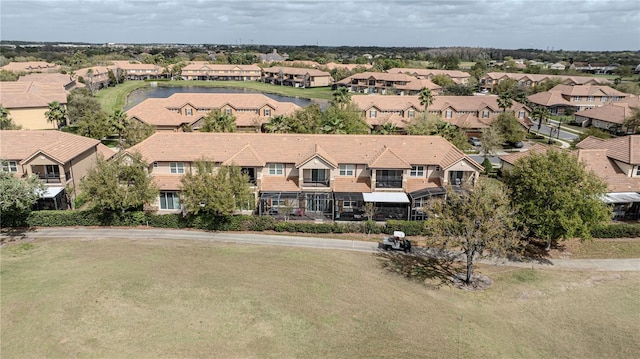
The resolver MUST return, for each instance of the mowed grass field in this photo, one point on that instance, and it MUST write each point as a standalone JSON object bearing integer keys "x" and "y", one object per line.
{"x": 113, "y": 298}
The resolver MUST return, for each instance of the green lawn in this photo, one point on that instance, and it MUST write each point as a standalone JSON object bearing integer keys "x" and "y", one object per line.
{"x": 115, "y": 298}
{"x": 114, "y": 98}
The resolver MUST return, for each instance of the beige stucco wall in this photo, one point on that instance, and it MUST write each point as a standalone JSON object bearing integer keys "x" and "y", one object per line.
{"x": 80, "y": 165}
{"x": 31, "y": 118}
{"x": 164, "y": 168}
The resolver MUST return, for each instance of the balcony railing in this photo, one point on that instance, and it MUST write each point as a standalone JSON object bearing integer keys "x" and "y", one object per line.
{"x": 50, "y": 179}
{"x": 389, "y": 183}
{"x": 311, "y": 182}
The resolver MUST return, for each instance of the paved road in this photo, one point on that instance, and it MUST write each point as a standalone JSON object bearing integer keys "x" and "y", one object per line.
{"x": 303, "y": 242}
{"x": 552, "y": 129}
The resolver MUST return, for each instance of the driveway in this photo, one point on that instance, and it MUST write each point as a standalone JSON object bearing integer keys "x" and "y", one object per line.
{"x": 296, "y": 241}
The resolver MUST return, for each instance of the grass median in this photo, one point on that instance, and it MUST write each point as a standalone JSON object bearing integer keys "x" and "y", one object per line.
{"x": 180, "y": 298}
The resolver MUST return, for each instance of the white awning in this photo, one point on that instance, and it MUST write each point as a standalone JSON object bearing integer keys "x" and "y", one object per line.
{"x": 386, "y": 197}
{"x": 51, "y": 192}
{"x": 621, "y": 197}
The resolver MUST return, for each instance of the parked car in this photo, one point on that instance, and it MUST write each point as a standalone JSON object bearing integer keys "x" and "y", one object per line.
{"x": 475, "y": 141}
{"x": 515, "y": 144}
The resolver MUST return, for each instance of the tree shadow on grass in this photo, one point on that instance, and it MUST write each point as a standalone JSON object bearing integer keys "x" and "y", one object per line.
{"x": 8, "y": 235}
{"x": 434, "y": 272}
{"x": 533, "y": 251}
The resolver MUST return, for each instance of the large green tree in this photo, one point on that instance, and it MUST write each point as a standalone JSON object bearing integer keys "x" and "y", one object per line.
{"x": 632, "y": 123}
{"x": 120, "y": 184}
{"x": 540, "y": 113}
{"x": 508, "y": 125}
{"x": 477, "y": 221}
{"x": 215, "y": 191}
{"x": 56, "y": 114}
{"x": 278, "y": 124}
{"x": 17, "y": 197}
{"x": 341, "y": 97}
{"x": 347, "y": 119}
{"x": 557, "y": 196}
{"x": 217, "y": 121}
{"x": 306, "y": 120}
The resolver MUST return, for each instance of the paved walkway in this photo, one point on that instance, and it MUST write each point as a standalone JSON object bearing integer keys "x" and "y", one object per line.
{"x": 632, "y": 264}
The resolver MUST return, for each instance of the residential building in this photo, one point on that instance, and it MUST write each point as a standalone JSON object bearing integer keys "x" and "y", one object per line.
{"x": 459, "y": 77}
{"x": 577, "y": 97}
{"x": 594, "y": 68}
{"x": 207, "y": 71}
{"x": 274, "y": 56}
{"x": 95, "y": 78}
{"x": 28, "y": 101}
{"x": 138, "y": 71}
{"x": 610, "y": 117}
{"x": 616, "y": 161}
{"x": 58, "y": 158}
{"x": 470, "y": 113}
{"x": 387, "y": 84}
{"x": 30, "y": 67}
{"x": 181, "y": 110}
{"x": 318, "y": 176}
{"x": 491, "y": 79}
{"x": 296, "y": 77}
{"x": 63, "y": 80}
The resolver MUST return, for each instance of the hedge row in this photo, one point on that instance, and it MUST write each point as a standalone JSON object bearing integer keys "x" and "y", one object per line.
{"x": 256, "y": 223}
{"x": 617, "y": 231}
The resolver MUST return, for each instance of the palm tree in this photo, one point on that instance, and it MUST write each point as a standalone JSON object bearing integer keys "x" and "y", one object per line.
{"x": 334, "y": 125}
{"x": 216, "y": 121}
{"x": 277, "y": 124}
{"x": 341, "y": 97}
{"x": 57, "y": 114}
{"x": 118, "y": 120}
{"x": 540, "y": 113}
{"x": 388, "y": 128}
{"x": 633, "y": 123}
{"x": 426, "y": 100}
{"x": 505, "y": 101}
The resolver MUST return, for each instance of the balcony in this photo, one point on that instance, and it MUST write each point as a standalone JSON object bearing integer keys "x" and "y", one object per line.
{"x": 389, "y": 183}
{"x": 315, "y": 182}
{"x": 50, "y": 178}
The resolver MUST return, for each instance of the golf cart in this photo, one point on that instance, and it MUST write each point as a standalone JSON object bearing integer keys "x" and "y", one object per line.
{"x": 398, "y": 242}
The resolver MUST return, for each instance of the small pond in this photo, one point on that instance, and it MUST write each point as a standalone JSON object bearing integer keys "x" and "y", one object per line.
{"x": 142, "y": 94}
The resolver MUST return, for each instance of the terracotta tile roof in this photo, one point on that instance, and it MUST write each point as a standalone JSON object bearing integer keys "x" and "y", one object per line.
{"x": 318, "y": 151}
{"x": 198, "y": 66}
{"x": 61, "y": 146}
{"x": 416, "y": 184}
{"x": 513, "y": 157}
{"x": 598, "y": 161}
{"x": 616, "y": 112}
{"x": 48, "y": 78}
{"x": 293, "y": 148}
{"x": 410, "y": 82}
{"x": 168, "y": 182}
{"x": 548, "y": 98}
{"x": 26, "y": 94}
{"x": 298, "y": 71}
{"x": 386, "y": 158}
{"x": 624, "y": 149}
{"x": 105, "y": 151}
{"x": 29, "y": 66}
{"x": 279, "y": 183}
{"x": 352, "y": 184}
{"x": 568, "y": 80}
{"x": 247, "y": 156}
{"x": 97, "y": 71}
{"x": 428, "y": 73}
{"x": 587, "y": 90}
{"x": 158, "y": 111}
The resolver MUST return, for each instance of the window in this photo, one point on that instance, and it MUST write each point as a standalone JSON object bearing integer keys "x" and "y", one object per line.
{"x": 10, "y": 166}
{"x": 227, "y": 111}
{"x": 604, "y": 99}
{"x": 412, "y": 113}
{"x": 267, "y": 112}
{"x": 638, "y": 171}
{"x": 521, "y": 114}
{"x": 155, "y": 164}
{"x": 485, "y": 114}
{"x": 177, "y": 167}
{"x": 577, "y": 98}
{"x": 437, "y": 169}
{"x": 373, "y": 113}
{"x": 590, "y": 98}
{"x": 417, "y": 171}
{"x": 349, "y": 204}
{"x": 347, "y": 170}
{"x": 188, "y": 112}
{"x": 276, "y": 169}
{"x": 169, "y": 200}
{"x": 448, "y": 114}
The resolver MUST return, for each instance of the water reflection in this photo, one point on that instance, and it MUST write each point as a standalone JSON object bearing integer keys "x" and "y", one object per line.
{"x": 142, "y": 94}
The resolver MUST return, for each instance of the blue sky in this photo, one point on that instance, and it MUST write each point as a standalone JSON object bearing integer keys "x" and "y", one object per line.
{"x": 509, "y": 24}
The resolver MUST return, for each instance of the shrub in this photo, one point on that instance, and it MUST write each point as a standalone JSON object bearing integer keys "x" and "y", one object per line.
{"x": 617, "y": 231}
{"x": 410, "y": 228}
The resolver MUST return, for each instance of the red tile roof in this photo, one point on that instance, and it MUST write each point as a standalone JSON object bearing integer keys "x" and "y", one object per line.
{"x": 61, "y": 146}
